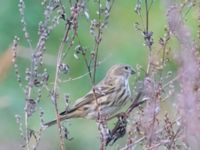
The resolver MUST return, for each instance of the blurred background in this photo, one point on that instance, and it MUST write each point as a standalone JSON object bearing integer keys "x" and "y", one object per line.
{"x": 121, "y": 44}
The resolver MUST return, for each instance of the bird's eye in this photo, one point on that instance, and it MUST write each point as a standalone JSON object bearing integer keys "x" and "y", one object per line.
{"x": 126, "y": 67}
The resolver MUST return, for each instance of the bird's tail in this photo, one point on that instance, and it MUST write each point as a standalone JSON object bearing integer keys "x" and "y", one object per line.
{"x": 50, "y": 123}
{"x": 63, "y": 116}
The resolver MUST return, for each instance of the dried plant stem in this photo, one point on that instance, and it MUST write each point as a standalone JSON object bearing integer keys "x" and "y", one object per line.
{"x": 147, "y": 15}
{"x": 30, "y": 86}
{"x": 132, "y": 144}
{"x": 152, "y": 124}
{"x": 26, "y": 130}
{"x": 149, "y": 62}
{"x": 92, "y": 75}
{"x": 59, "y": 57}
{"x": 26, "y": 35}
{"x": 83, "y": 75}
{"x": 171, "y": 81}
{"x": 97, "y": 42}
{"x": 147, "y": 31}
{"x": 164, "y": 47}
{"x": 198, "y": 32}
{"x": 157, "y": 132}
{"x": 101, "y": 120}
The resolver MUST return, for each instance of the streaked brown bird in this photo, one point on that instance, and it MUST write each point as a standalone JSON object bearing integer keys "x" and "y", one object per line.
{"x": 110, "y": 95}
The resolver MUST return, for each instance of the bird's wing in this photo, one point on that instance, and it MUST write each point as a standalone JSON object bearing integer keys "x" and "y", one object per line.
{"x": 100, "y": 91}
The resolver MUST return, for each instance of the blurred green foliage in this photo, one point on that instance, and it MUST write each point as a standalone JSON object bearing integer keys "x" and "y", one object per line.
{"x": 121, "y": 44}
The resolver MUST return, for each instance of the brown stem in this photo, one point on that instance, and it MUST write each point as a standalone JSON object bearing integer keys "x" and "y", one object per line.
{"x": 60, "y": 52}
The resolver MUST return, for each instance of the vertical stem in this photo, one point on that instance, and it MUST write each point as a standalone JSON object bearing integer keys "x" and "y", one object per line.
{"x": 60, "y": 51}
{"x": 198, "y": 33}
{"x": 30, "y": 84}
{"x": 147, "y": 15}
{"x": 26, "y": 130}
{"x": 163, "y": 57}
{"x": 97, "y": 42}
{"x": 100, "y": 120}
{"x": 147, "y": 32}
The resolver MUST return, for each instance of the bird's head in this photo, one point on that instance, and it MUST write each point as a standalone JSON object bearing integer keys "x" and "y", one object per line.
{"x": 121, "y": 70}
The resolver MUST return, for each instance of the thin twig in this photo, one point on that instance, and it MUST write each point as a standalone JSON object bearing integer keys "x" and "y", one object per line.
{"x": 147, "y": 32}
{"x": 147, "y": 15}
{"x": 97, "y": 42}
{"x": 157, "y": 132}
{"x": 59, "y": 57}
{"x": 83, "y": 75}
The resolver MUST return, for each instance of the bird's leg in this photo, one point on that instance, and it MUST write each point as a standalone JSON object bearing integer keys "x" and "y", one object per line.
{"x": 119, "y": 130}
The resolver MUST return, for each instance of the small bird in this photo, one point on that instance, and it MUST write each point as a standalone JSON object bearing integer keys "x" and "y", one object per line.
{"x": 110, "y": 95}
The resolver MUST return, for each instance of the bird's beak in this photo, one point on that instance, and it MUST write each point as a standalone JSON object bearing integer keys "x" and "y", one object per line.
{"x": 133, "y": 71}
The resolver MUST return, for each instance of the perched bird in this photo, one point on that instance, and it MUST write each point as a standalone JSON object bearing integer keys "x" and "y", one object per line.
{"x": 110, "y": 95}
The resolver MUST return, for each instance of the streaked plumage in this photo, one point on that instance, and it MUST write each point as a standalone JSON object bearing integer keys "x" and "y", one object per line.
{"x": 111, "y": 94}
